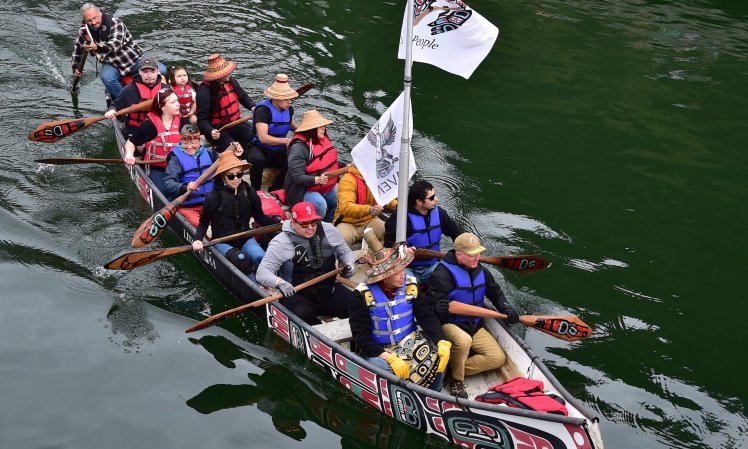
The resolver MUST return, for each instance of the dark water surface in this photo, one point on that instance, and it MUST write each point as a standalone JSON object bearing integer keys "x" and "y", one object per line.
{"x": 607, "y": 136}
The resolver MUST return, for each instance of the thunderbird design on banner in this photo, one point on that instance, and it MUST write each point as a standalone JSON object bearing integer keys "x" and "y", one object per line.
{"x": 448, "y": 34}
{"x": 377, "y": 156}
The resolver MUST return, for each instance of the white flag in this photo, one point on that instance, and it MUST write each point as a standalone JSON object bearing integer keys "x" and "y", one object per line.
{"x": 448, "y": 34}
{"x": 377, "y": 156}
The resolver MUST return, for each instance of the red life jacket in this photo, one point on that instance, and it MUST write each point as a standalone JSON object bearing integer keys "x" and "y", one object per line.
{"x": 361, "y": 190}
{"x": 134, "y": 119}
{"x": 526, "y": 394}
{"x": 185, "y": 98}
{"x": 324, "y": 157}
{"x": 161, "y": 145}
{"x": 228, "y": 106}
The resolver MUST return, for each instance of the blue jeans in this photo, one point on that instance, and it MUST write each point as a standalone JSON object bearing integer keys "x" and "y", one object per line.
{"x": 251, "y": 249}
{"x": 111, "y": 78}
{"x": 326, "y": 204}
{"x": 422, "y": 273}
{"x": 379, "y": 362}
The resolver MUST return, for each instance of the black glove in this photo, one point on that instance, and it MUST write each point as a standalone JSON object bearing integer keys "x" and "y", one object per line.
{"x": 442, "y": 307}
{"x": 513, "y": 316}
{"x": 286, "y": 289}
{"x": 349, "y": 271}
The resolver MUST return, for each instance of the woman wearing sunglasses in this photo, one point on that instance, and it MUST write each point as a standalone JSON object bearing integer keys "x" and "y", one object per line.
{"x": 228, "y": 208}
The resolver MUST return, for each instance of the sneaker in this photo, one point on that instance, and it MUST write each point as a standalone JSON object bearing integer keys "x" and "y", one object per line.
{"x": 457, "y": 388}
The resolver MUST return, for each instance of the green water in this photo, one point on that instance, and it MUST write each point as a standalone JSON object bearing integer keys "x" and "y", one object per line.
{"x": 605, "y": 136}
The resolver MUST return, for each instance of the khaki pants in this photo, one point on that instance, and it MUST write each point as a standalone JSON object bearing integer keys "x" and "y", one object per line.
{"x": 352, "y": 234}
{"x": 488, "y": 354}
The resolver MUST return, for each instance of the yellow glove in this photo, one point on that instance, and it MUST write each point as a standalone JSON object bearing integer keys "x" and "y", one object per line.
{"x": 399, "y": 367}
{"x": 443, "y": 347}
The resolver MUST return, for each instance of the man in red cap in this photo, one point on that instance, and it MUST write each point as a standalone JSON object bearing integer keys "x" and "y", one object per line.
{"x": 310, "y": 248}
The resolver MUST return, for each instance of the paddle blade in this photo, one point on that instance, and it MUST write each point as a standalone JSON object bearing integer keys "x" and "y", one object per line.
{"x": 152, "y": 228}
{"x": 53, "y": 131}
{"x": 131, "y": 260}
{"x": 305, "y": 88}
{"x": 569, "y": 328}
{"x": 523, "y": 264}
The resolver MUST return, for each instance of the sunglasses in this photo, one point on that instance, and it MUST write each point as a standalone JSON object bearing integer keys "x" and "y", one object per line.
{"x": 161, "y": 92}
{"x": 231, "y": 176}
{"x": 307, "y": 224}
{"x": 431, "y": 198}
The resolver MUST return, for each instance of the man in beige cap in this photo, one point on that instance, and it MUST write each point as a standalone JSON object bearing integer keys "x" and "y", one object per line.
{"x": 461, "y": 277}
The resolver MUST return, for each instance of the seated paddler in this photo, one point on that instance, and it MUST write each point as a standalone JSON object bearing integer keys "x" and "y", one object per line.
{"x": 394, "y": 328}
{"x": 184, "y": 164}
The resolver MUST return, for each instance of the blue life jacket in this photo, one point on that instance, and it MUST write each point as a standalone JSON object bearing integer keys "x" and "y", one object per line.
{"x": 192, "y": 168}
{"x": 392, "y": 320}
{"x": 422, "y": 236}
{"x": 467, "y": 291}
{"x": 279, "y": 126}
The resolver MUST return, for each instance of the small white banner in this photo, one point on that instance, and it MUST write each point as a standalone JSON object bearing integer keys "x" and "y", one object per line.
{"x": 448, "y": 34}
{"x": 377, "y": 156}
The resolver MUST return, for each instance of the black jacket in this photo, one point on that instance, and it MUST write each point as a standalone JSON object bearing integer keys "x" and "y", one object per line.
{"x": 228, "y": 213}
{"x": 442, "y": 283}
{"x": 205, "y": 105}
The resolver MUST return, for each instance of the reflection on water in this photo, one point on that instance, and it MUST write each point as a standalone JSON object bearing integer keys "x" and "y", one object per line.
{"x": 289, "y": 393}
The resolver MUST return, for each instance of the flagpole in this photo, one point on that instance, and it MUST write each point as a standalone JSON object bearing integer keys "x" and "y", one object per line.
{"x": 404, "y": 175}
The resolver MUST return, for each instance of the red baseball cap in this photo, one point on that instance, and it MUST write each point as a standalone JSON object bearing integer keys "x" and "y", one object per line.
{"x": 304, "y": 211}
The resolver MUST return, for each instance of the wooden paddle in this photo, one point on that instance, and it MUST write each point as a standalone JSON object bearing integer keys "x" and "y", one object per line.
{"x": 155, "y": 225}
{"x": 77, "y": 79}
{"x": 88, "y": 160}
{"x": 301, "y": 91}
{"x": 568, "y": 327}
{"x": 261, "y": 302}
{"x": 53, "y": 131}
{"x": 136, "y": 259}
{"x": 524, "y": 264}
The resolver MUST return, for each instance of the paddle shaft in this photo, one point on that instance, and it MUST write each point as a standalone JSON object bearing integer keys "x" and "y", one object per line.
{"x": 261, "y": 302}
{"x": 516, "y": 263}
{"x": 155, "y": 225}
{"x": 77, "y": 79}
{"x": 137, "y": 259}
{"x": 53, "y": 131}
{"x": 301, "y": 91}
{"x": 569, "y": 328}
{"x": 88, "y": 160}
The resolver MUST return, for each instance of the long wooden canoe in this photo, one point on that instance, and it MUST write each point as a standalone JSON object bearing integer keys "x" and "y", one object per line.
{"x": 461, "y": 421}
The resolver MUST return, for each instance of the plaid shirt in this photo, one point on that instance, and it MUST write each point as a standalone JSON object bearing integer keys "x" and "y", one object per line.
{"x": 120, "y": 50}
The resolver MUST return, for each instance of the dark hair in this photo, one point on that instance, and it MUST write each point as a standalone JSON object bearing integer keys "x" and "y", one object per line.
{"x": 160, "y": 100}
{"x": 311, "y": 135}
{"x": 171, "y": 70}
{"x": 418, "y": 191}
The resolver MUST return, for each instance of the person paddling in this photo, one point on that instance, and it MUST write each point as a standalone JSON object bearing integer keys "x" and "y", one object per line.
{"x": 158, "y": 133}
{"x": 310, "y": 156}
{"x": 272, "y": 119}
{"x": 107, "y": 38}
{"x": 228, "y": 208}
{"x": 184, "y": 164}
{"x": 460, "y": 277}
{"x": 218, "y": 99}
{"x": 143, "y": 87}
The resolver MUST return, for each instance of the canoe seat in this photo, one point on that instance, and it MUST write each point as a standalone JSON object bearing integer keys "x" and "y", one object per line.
{"x": 337, "y": 330}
